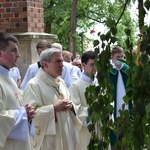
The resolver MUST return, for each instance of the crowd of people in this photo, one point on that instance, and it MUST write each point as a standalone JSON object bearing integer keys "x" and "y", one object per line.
{"x": 51, "y": 110}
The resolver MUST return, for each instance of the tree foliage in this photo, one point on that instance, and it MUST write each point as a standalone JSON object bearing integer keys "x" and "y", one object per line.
{"x": 137, "y": 131}
{"x": 57, "y": 15}
{"x": 115, "y": 16}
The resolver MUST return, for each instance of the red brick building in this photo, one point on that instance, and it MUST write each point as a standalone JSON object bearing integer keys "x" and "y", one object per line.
{"x": 21, "y": 16}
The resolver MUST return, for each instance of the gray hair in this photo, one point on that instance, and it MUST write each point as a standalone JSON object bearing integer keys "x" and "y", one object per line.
{"x": 47, "y": 54}
{"x": 57, "y": 45}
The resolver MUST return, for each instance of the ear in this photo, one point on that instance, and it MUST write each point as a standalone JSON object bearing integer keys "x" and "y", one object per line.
{"x": 38, "y": 51}
{"x": 45, "y": 65}
{"x": 83, "y": 64}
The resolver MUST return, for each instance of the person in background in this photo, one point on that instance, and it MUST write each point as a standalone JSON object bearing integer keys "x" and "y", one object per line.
{"x": 15, "y": 118}
{"x": 33, "y": 68}
{"x": 15, "y": 74}
{"x": 67, "y": 56}
{"x": 77, "y": 62}
{"x": 77, "y": 56}
{"x": 77, "y": 93}
{"x": 48, "y": 93}
{"x": 118, "y": 79}
{"x": 57, "y": 45}
{"x": 69, "y": 74}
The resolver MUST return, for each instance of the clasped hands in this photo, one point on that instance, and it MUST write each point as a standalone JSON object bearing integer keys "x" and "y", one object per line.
{"x": 62, "y": 105}
{"x": 30, "y": 112}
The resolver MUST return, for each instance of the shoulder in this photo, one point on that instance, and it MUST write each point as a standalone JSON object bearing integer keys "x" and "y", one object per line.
{"x": 126, "y": 66}
{"x": 76, "y": 68}
{"x": 67, "y": 65}
{"x": 77, "y": 83}
{"x": 34, "y": 65}
{"x": 34, "y": 81}
{"x": 61, "y": 81}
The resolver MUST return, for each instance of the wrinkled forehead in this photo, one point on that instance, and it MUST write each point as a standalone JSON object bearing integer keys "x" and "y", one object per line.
{"x": 56, "y": 55}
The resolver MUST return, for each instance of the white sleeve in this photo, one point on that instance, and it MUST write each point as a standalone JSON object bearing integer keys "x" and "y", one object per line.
{"x": 18, "y": 73}
{"x": 66, "y": 76}
{"x": 74, "y": 74}
{"x": 31, "y": 129}
{"x": 25, "y": 79}
{"x": 20, "y": 130}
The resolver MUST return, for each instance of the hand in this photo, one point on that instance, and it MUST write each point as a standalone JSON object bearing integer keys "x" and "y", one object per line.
{"x": 59, "y": 105}
{"x": 68, "y": 104}
{"x": 30, "y": 112}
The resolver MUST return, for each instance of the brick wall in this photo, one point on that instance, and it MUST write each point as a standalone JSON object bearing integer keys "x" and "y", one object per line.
{"x": 21, "y": 16}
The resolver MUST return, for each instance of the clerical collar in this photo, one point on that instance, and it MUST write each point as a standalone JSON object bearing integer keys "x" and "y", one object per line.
{"x": 4, "y": 70}
{"x": 39, "y": 64}
{"x": 86, "y": 78}
{"x": 54, "y": 79}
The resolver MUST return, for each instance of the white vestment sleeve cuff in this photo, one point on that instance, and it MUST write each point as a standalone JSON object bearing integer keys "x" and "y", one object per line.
{"x": 20, "y": 130}
{"x": 31, "y": 129}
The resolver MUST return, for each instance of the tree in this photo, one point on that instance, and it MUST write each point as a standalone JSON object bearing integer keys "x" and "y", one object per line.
{"x": 58, "y": 18}
{"x": 137, "y": 131}
{"x": 73, "y": 22}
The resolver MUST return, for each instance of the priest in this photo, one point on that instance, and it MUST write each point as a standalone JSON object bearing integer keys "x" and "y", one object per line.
{"x": 55, "y": 121}
{"x": 15, "y": 118}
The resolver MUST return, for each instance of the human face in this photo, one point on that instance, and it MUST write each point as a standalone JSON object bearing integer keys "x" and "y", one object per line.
{"x": 67, "y": 58}
{"x": 117, "y": 56}
{"x": 55, "y": 66}
{"x": 8, "y": 58}
{"x": 78, "y": 64}
{"x": 40, "y": 50}
{"x": 89, "y": 68}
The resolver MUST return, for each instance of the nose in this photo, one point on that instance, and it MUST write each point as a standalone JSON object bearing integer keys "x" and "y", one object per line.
{"x": 18, "y": 54}
{"x": 62, "y": 64}
{"x": 94, "y": 70}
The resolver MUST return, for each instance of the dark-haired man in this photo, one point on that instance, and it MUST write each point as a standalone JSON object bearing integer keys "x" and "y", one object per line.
{"x": 77, "y": 92}
{"x": 33, "y": 68}
{"x": 15, "y": 119}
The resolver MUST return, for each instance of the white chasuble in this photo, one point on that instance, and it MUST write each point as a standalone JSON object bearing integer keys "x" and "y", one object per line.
{"x": 41, "y": 92}
{"x": 77, "y": 93}
{"x": 10, "y": 101}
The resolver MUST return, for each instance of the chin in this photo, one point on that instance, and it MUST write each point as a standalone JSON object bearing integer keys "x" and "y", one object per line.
{"x": 60, "y": 74}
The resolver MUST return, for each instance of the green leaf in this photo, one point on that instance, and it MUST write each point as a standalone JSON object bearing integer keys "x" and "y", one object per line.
{"x": 144, "y": 58}
{"x": 145, "y": 74}
{"x": 128, "y": 31}
{"x": 114, "y": 30}
{"x": 108, "y": 35}
{"x": 113, "y": 39}
{"x": 102, "y": 37}
{"x": 147, "y": 107}
{"x": 144, "y": 28}
{"x": 144, "y": 45}
{"x": 147, "y": 4}
{"x": 96, "y": 42}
